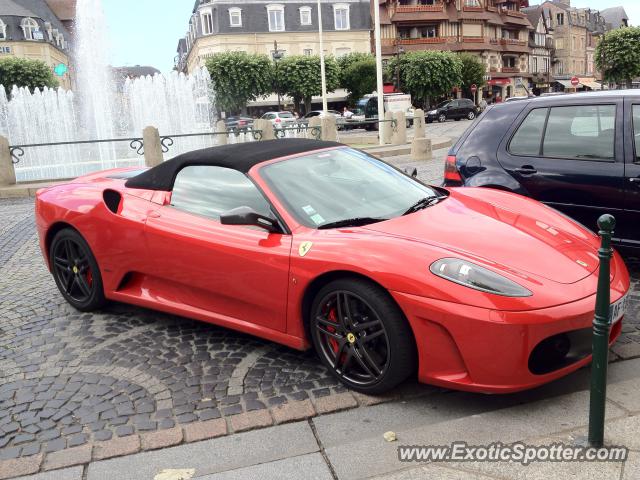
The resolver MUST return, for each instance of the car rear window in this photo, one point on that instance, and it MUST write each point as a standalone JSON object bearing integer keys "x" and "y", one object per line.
{"x": 285, "y": 115}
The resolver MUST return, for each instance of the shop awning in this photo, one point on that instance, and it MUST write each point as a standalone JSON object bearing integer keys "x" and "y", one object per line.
{"x": 592, "y": 85}
{"x": 567, "y": 84}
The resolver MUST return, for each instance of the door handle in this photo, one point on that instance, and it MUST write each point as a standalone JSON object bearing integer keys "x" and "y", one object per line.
{"x": 526, "y": 170}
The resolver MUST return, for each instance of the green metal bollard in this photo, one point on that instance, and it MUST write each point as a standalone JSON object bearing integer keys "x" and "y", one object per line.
{"x": 601, "y": 326}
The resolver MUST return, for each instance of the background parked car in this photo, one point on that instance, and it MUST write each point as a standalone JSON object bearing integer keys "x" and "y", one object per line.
{"x": 579, "y": 154}
{"x": 280, "y": 119}
{"x": 453, "y": 109}
{"x": 233, "y": 123}
{"x": 340, "y": 120}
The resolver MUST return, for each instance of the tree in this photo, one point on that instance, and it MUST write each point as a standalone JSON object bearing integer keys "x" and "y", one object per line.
{"x": 25, "y": 73}
{"x": 618, "y": 55}
{"x": 427, "y": 74}
{"x": 473, "y": 72}
{"x": 299, "y": 77}
{"x": 357, "y": 74}
{"x": 239, "y": 77}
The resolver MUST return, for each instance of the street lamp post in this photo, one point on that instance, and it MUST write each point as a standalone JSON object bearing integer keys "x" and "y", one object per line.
{"x": 323, "y": 78}
{"x": 277, "y": 55}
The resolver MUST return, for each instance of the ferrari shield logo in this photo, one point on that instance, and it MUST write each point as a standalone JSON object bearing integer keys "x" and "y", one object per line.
{"x": 304, "y": 248}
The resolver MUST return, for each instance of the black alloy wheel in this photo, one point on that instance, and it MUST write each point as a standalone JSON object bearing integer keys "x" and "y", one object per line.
{"x": 362, "y": 336}
{"x": 76, "y": 271}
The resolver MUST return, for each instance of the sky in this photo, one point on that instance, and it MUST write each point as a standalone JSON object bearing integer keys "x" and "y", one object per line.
{"x": 146, "y": 32}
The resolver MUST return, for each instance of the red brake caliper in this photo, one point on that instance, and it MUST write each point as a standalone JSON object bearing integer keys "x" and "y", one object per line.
{"x": 332, "y": 341}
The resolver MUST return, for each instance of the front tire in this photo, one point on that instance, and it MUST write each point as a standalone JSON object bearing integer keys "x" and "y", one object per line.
{"x": 75, "y": 271}
{"x": 362, "y": 336}
{"x": 442, "y": 118}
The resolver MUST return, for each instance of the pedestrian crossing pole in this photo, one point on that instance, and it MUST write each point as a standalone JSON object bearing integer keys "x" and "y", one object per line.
{"x": 601, "y": 327}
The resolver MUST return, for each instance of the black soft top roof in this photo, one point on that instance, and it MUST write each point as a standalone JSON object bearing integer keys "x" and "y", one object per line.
{"x": 239, "y": 156}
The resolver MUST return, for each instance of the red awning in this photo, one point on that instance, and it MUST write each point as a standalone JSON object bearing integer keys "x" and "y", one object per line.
{"x": 499, "y": 81}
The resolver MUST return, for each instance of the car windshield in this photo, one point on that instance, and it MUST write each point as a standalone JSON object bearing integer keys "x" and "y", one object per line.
{"x": 285, "y": 115}
{"x": 344, "y": 187}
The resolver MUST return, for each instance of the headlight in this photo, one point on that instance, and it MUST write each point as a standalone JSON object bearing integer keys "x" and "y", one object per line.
{"x": 477, "y": 277}
{"x": 432, "y": 112}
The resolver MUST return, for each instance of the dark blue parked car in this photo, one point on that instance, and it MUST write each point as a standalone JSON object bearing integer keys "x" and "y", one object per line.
{"x": 577, "y": 153}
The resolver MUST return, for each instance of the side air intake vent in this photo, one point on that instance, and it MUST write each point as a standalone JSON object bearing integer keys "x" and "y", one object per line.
{"x": 112, "y": 200}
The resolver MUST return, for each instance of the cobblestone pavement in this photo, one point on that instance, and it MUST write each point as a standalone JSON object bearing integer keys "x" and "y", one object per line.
{"x": 132, "y": 378}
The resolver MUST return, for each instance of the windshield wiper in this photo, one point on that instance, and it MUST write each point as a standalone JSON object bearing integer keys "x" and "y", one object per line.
{"x": 351, "y": 222}
{"x": 422, "y": 203}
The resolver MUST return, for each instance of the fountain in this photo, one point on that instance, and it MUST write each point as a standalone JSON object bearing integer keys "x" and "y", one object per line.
{"x": 96, "y": 110}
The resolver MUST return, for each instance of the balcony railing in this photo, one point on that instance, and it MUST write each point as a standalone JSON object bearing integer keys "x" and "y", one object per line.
{"x": 473, "y": 40}
{"x": 513, "y": 41}
{"x": 513, "y": 13}
{"x": 417, "y": 41}
{"x": 436, "y": 7}
{"x": 467, "y": 8}
{"x": 510, "y": 70}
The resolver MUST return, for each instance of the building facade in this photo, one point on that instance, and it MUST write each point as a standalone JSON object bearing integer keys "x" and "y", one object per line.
{"x": 576, "y": 32}
{"x": 497, "y": 31}
{"x": 254, "y": 25}
{"x": 541, "y": 48}
{"x": 30, "y": 29}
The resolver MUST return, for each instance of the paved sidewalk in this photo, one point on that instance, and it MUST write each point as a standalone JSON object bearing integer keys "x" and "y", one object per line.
{"x": 350, "y": 444}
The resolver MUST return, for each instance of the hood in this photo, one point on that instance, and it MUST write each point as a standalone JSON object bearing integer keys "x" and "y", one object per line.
{"x": 514, "y": 240}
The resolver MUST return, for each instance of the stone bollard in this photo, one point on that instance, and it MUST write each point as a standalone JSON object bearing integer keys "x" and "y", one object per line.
{"x": 221, "y": 127}
{"x": 314, "y": 122}
{"x": 418, "y": 123}
{"x": 152, "y": 147}
{"x": 399, "y": 135}
{"x": 386, "y": 130}
{"x": 7, "y": 171}
{"x": 421, "y": 149}
{"x": 329, "y": 129}
{"x": 266, "y": 128}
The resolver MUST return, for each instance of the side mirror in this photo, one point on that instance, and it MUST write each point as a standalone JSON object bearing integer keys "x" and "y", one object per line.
{"x": 248, "y": 216}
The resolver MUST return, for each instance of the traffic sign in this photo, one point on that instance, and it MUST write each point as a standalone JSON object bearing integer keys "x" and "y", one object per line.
{"x": 575, "y": 81}
{"x": 474, "y": 88}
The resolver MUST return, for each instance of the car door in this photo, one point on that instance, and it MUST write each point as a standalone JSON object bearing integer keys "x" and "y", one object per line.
{"x": 236, "y": 272}
{"x": 629, "y": 229}
{"x": 453, "y": 109}
{"x": 569, "y": 156}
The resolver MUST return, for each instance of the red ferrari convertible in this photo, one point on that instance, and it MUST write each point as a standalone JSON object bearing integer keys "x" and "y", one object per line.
{"x": 310, "y": 243}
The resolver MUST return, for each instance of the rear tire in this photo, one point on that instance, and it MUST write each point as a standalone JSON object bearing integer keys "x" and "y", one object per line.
{"x": 471, "y": 116}
{"x": 75, "y": 271}
{"x": 362, "y": 336}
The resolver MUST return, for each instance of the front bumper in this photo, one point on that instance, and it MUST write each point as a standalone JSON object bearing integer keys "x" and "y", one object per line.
{"x": 483, "y": 350}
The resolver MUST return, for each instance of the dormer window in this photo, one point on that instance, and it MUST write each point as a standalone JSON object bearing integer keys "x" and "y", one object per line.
{"x": 341, "y": 16}
{"x": 29, "y": 28}
{"x": 305, "y": 15}
{"x": 276, "y": 18}
{"x": 207, "y": 23}
{"x": 235, "y": 17}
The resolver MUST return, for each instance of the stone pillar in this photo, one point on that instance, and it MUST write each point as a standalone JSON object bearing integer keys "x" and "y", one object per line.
{"x": 7, "y": 172}
{"x": 315, "y": 122}
{"x": 418, "y": 123}
{"x": 329, "y": 128}
{"x": 399, "y": 134}
{"x": 152, "y": 147}
{"x": 221, "y": 127}
{"x": 421, "y": 149}
{"x": 385, "y": 129}
{"x": 266, "y": 127}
